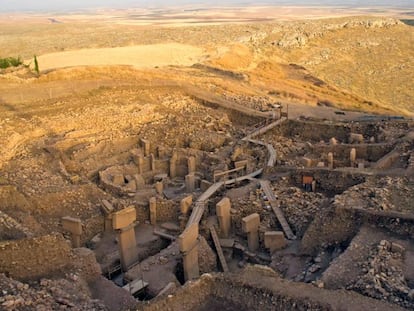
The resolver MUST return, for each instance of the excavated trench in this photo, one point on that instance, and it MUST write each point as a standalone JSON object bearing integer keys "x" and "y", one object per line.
{"x": 329, "y": 231}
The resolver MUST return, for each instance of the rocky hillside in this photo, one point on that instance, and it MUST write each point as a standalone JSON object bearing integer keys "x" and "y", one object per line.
{"x": 358, "y": 63}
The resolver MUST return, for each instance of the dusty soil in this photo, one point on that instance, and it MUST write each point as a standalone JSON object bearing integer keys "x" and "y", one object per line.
{"x": 144, "y": 56}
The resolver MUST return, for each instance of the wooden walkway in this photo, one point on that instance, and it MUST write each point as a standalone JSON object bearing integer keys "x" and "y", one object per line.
{"x": 218, "y": 249}
{"x": 199, "y": 205}
{"x": 276, "y": 209}
{"x": 264, "y": 129}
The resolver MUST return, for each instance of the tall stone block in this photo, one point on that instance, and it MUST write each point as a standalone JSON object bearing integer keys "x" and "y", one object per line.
{"x": 185, "y": 204}
{"x": 274, "y": 240}
{"x": 152, "y": 162}
{"x": 153, "y": 211}
{"x": 141, "y": 164}
{"x": 159, "y": 187}
{"x": 333, "y": 141}
{"x": 188, "y": 244}
{"x": 123, "y": 222}
{"x": 250, "y": 225}
{"x": 146, "y": 146}
{"x": 161, "y": 152}
{"x": 124, "y": 218}
{"x": 223, "y": 214}
{"x": 352, "y": 157}
{"x": 74, "y": 226}
{"x": 191, "y": 162}
{"x": 128, "y": 247}
{"x": 173, "y": 165}
{"x": 108, "y": 209}
{"x": 190, "y": 182}
{"x": 330, "y": 160}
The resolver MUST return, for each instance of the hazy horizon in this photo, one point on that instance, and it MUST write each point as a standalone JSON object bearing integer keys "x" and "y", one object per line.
{"x": 49, "y": 5}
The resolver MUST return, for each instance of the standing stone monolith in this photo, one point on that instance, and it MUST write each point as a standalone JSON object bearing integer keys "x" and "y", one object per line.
{"x": 185, "y": 204}
{"x": 330, "y": 160}
{"x": 108, "y": 209}
{"x": 352, "y": 157}
{"x": 223, "y": 214}
{"x": 191, "y": 162}
{"x": 333, "y": 141}
{"x": 159, "y": 187}
{"x": 153, "y": 210}
{"x": 141, "y": 164}
{"x": 152, "y": 162}
{"x": 188, "y": 244}
{"x": 173, "y": 165}
{"x": 146, "y": 146}
{"x": 190, "y": 182}
{"x": 123, "y": 222}
{"x": 74, "y": 226}
{"x": 250, "y": 225}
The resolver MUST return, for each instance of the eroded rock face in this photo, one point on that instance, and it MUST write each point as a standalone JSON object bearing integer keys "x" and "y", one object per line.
{"x": 207, "y": 258}
{"x": 57, "y": 294}
{"x": 34, "y": 258}
{"x": 384, "y": 277}
{"x": 301, "y": 37}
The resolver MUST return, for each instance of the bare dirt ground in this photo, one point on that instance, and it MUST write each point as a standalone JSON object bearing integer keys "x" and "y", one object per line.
{"x": 144, "y": 56}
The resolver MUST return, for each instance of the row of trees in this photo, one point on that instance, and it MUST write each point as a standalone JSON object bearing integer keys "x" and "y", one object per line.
{"x": 15, "y": 62}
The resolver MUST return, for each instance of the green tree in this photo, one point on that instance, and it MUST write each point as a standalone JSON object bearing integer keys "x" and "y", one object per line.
{"x": 36, "y": 65}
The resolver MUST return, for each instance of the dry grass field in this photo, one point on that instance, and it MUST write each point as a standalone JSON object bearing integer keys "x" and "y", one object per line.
{"x": 366, "y": 57}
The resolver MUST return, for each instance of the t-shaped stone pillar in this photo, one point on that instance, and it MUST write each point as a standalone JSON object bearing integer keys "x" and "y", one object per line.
{"x": 159, "y": 187}
{"x": 223, "y": 214}
{"x": 190, "y": 182}
{"x": 153, "y": 210}
{"x": 191, "y": 162}
{"x": 352, "y": 157}
{"x": 74, "y": 226}
{"x": 185, "y": 204}
{"x": 188, "y": 243}
{"x": 124, "y": 222}
{"x": 250, "y": 225}
{"x": 330, "y": 160}
{"x": 141, "y": 164}
{"x": 146, "y": 146}
{"x": 108, "y": 209}
{"x": 173, "y": 165}
{"x": 152, "y": 162}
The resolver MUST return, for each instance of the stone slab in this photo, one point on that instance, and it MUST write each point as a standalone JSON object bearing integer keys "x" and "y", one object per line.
{"x": 239, "y": 164}
{"x": 185, "y": 204}
{"x": 153, "y": 210}
{"x": 124, "y": 218}
{"x": 227, "y": 243}
{"x": 107, "y": 207}
{"x": 274, "y": 240}
{"x": 223, "y": 207}
{"x": 251, "y": 223}
{"x": 188, "y": 239}
{"x": 73, "y": 225}
{"x": 128, "y": 248}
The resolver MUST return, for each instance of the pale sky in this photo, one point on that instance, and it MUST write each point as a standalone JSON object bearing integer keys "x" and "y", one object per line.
{"x": 61, "y": 5}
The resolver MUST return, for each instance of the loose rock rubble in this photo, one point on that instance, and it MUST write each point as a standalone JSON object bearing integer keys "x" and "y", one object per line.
{"x": 62, "y": 294}
{"x": 384, "y": 278}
